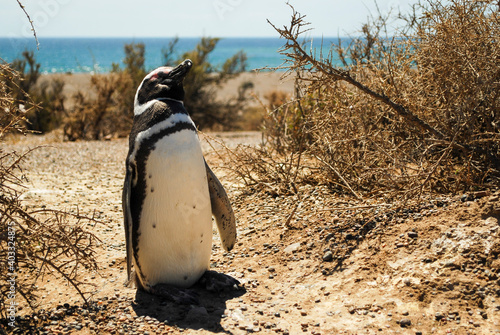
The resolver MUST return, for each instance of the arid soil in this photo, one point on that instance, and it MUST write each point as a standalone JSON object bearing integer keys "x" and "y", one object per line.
{"x": 315, "y": 264}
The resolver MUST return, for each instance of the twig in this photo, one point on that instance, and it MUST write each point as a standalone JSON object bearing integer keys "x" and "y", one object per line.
{"x": 31, "y": 23}
{"x": 340, "y": 176}
{"x": 327, "y": 69}
{"x": 290, "y": 217}
{"x": 352, "y": 208}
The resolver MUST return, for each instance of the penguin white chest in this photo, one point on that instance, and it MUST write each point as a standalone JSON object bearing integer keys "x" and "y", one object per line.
{"x": 175, "y": 231}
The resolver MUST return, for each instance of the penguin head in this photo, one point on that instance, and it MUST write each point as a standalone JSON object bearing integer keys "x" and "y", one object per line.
{"x": 164, "y": 82}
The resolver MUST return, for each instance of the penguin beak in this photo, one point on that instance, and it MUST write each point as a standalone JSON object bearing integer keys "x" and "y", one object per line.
{"x": 180, "y": 71}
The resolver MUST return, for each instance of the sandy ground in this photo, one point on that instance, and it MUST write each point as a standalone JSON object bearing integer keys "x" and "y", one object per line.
{"x": 319, "y": 265}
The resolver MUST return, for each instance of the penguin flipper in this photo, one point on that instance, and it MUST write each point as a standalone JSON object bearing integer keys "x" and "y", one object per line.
{"x": 127, "y": 218}
{"x": 221, "y": 210}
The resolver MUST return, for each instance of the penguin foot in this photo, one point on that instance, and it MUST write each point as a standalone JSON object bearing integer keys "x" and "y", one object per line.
{"x": 217, "y": 282}
{"x": 175, "y": 294}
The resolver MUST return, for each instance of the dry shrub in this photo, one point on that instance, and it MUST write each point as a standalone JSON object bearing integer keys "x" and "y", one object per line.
{"x": 11, "y": 119}
{"x": 43, "y": 102}
{"x": 415, "y": 113}
{"x": 34, "y": 243}
{"x": 101, "y": 113}
{"x": 107, "y": 110}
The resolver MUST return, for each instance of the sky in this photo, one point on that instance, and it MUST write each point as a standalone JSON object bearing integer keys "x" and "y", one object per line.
{"x": 188, "y": 18}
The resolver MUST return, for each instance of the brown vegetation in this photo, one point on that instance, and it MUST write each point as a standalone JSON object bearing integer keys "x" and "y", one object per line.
{"x": 35, "y": 241}
{"x": 415, "y": 113}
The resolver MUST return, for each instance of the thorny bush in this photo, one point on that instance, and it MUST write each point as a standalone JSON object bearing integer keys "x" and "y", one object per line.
{"x": 34, "y": 242}
{"x": 417, "y": 112}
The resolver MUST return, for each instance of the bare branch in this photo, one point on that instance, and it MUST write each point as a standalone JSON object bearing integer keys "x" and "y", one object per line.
{"x": 30, "y": 21}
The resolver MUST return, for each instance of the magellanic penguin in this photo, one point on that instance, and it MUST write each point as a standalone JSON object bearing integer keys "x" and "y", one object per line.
{"x": 170, "y": 193}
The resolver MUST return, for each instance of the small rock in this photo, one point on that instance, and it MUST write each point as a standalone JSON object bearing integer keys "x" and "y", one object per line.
{"x": 412, "y": 234}
{"x": 328, "y": 256}
{"x": 439, "y": 316}
{"x": 329, "y": 237}
{"x": 349, "y": 236}
{"x": 405, "y": 313}
{"x": 292, "y": 248}
{"x": 405, "y": 322}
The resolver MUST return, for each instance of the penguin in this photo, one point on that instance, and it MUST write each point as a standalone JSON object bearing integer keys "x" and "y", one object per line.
{"x": 170, "y": 194}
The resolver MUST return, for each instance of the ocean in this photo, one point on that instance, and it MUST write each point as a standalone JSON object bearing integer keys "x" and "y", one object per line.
{"x": 96, "y": 55}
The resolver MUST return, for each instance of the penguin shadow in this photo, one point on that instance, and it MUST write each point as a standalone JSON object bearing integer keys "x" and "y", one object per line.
{"x": 206, "y": 315}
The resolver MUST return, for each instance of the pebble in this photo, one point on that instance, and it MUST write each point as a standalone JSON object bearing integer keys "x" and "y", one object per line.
{"x": 405, "y": 322}
{"x": 328, "y": 256}
{"x": 292, "y": 248}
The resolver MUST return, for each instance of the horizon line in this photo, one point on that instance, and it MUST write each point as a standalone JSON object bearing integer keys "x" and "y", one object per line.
{"x": 172, "y": 37}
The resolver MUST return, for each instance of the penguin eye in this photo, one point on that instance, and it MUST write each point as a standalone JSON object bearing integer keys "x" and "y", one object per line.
{"x": 159, "y": 74}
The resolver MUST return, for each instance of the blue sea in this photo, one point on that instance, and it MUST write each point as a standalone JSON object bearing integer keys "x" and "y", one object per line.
{"x": 96, "y": 55}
